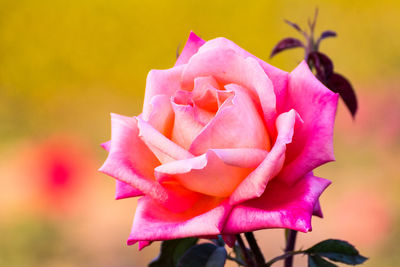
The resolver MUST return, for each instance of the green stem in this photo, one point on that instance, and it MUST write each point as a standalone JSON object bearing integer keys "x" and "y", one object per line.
{"x": 255, "y": 249}
{"x": 283, "y": 257}
{"x": 247, "y": 258}
{"x": 290, "y": 243}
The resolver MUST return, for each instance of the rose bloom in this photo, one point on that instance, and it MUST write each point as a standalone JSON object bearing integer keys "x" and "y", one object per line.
{"x": 226, "y": 144}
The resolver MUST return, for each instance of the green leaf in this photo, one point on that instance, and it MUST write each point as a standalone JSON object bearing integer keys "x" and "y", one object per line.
{"x": 337, "y": 250}
{"x": 171, "y": 251}
{"x": 317, "y": 261}
{"x": 204, "y": 255}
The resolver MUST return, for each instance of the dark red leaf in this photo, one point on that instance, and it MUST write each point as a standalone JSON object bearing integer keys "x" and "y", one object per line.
{"x": 327, "y": 34}
{"x": 177, "y": 51}
{"x": 339, "y": 84}
{"x": 323, "y": 65}
{"x": 312, "y": 24}
{"x": 284, "y": 44}
{"x": 294, "y": 25}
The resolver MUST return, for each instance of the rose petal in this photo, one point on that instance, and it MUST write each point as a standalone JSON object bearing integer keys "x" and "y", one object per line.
{"x": 205, "y": 93}
{"x": 141, "y": 244}
{"x": 125, "y": 147}
{"x": 193, "y": 44}
{"x": 186, "y": 125}
{"x": 215, "y": 173}
{"x": 154, "y": 222}
{"x": 160, "y": 82}
{"x": 131, "y": 162}
{"x": 317, "y": 210}
{"x": 227, "y": 66}
{"x": 161, "y": 116}
{"x": 312, "y": 143}
{"x": 281, "y": 206}
{"x": 124, "y": 190}
{"x": 254, "y": 185}
{"x": 162, "y": 147}
{"x": 237, "y": 124}
{"x": 278, "y": 77}
{"x": 106, "y": 146}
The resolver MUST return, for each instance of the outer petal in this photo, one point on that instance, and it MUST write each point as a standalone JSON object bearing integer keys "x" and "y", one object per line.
{"x": 281, "y": 206}
{"x": 279, "y": 78}
{"x": 160, "y": 82}
{"x": 227, "y": 66}
{"x": 254, "y": 185}
{"x": 193, "y": 44}
{"x": 141, "y": 244}
{"x": 312, "y": 143}
{"x": 237, "y": 124}
{"x": 124, "y": 190}
{"x": 125, "y": 147}
{"x": 216, "y": 173}
{"x": 106, "y": 146}
{"x": 317, "y": 210}
{"x": 153, "y": 222}
{"x": 131, "y": 162}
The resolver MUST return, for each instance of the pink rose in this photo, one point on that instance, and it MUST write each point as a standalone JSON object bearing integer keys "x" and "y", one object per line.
{"x": 226, "y": 144}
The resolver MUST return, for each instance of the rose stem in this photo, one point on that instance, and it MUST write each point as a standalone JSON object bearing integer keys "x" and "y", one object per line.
{"x": 290, "y": 242}
{"x": 247, "y": 259}
{"x": 255, "y": 248}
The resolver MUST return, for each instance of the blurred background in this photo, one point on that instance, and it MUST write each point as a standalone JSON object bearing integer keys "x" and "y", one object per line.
{"x": 65, "y": 65}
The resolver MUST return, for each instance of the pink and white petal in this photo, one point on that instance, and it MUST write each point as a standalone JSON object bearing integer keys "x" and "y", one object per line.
{"x": 278, "y": 77}
{"x": 106, "y": 146}
{"x": 254, "y": 185}
{"x": 205, "y": 93}
{"x": 318, "y": 210}
{"x": 161, "y": 116}
{"x": 241, "y": 157}
{"x": 164, "y": 149}
{"x": 153, "y": 222}
{"x": 209, "y": 174}
{"x": 131, "y": 162}
{"x": 160, "y": 82}
{"x": 312, "y": 143}
{"x": 124, "y": 190}
{"x": 192, "y": 45}
{"x": 237, "y": 124}
{"x": 238, "y": 157}
{"x": 141, "y": 244}
{"x": 125, "y": 148}
{"x": 227, "y": 66}
{"x": 281, "y": 206}
{"x": 186, "y": 125}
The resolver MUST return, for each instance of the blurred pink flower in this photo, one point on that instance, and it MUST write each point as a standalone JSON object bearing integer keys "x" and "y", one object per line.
{"x": 56, "y": 173}
{"x": 226, "y": 143}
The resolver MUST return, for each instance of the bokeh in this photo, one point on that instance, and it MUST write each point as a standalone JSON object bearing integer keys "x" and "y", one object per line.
{"x": 66, "y": 64}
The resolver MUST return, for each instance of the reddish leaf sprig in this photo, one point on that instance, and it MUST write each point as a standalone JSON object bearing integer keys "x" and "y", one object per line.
{"x": 318, "y": 62}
